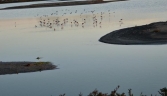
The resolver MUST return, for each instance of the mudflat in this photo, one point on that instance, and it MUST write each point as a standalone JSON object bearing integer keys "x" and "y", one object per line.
{"x": 154, "y": 33}
{"x": 56, "y": 4}
{"x": 24, "y": 67}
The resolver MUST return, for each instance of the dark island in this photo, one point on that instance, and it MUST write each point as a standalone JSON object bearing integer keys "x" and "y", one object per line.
{"x": 24, "y": 67}
{"x": 154, "y": 33}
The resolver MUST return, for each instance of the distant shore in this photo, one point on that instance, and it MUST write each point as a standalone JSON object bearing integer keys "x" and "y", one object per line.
{"x": 154, "y": 33}
{"x": 56, "y": 4}
{"x": 17, "y": 1}
{"x": 24, "y": 67}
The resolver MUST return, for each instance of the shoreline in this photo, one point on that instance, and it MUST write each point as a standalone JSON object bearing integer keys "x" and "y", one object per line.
{"x": 151, "y": 34}
{"x": 24, "y": 67}
{"x": 57, "y": 4}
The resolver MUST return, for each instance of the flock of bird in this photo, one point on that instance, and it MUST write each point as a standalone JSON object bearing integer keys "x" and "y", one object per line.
{"x": 61, "y": 19}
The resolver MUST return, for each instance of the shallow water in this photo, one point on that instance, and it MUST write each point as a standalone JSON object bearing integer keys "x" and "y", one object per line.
{"x": 85, "y": 63}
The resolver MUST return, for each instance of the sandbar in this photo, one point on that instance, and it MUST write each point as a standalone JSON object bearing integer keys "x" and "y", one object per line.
{"x": 24, "y": 67}
{"x": 57, "y": 4}
{"x": 154, "y": 33}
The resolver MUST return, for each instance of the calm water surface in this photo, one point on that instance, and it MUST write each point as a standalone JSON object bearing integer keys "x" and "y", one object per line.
{"x": 85, "y": 63}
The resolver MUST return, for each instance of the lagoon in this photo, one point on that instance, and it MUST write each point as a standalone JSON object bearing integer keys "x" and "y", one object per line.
{"x": 85, "y": 63}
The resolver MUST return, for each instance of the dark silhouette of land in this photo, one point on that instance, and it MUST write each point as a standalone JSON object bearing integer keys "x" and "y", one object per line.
{"x": 17, "y": 1}
{"x": 56, "y": 4}
{"x": 154, "y": 33}
{"x": 24, "y": 67}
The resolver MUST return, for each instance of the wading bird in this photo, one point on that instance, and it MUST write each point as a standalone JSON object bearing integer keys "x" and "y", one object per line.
{"x": 39, "y": 58}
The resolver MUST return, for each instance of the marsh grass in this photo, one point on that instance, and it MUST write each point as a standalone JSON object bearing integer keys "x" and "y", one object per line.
{"x": 40, "y": 63}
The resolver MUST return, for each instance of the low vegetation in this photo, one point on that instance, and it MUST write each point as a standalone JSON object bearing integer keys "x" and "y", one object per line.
{"x": 162, "y": 92}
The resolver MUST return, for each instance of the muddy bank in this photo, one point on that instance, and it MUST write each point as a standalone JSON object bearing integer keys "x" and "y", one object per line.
{"x": 24, "y": 67}
{"x": 154, "y": 33}
{"x": 56, "y": 4}
{"x": 17, "y": 1}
